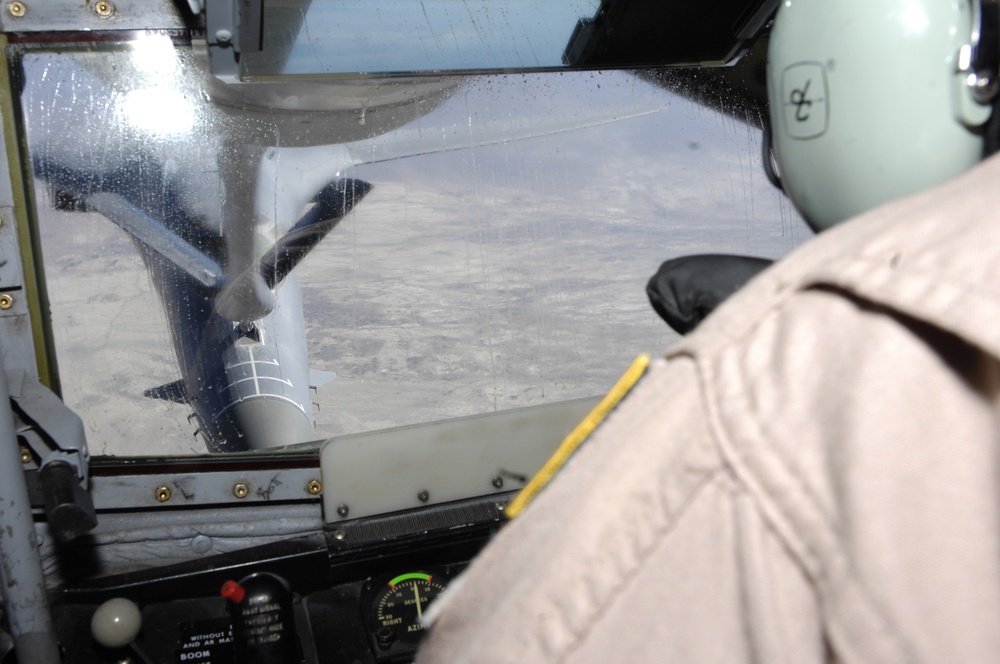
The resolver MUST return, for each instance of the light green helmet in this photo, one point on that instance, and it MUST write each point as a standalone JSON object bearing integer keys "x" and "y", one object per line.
{"x": 871, "y": 100}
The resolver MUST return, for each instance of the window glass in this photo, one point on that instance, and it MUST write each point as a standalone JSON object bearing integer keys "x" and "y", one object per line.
{"x": 500, "y": 269}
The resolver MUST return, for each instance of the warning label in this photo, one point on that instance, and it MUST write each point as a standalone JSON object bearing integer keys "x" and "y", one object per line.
{"x": 205, "y": 642}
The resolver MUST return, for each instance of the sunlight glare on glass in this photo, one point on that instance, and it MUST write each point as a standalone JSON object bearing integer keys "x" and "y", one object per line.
{"x": 158, "y": 111}
{"x": 157, "y": 107}
{"x": 155, "y": 55}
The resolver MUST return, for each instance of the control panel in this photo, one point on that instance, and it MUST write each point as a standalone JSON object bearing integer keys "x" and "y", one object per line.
{"x": 354, "y": 594}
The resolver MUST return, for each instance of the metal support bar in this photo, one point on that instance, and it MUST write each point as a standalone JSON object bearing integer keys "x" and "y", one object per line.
{"x": 55, "y": 435}
{"x": 24, "y": 598}
{"x": 94, "y": 16}
{"x": 62, "y": 437}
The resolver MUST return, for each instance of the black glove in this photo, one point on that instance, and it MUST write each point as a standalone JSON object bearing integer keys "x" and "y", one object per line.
{"x": 685, "y": 290}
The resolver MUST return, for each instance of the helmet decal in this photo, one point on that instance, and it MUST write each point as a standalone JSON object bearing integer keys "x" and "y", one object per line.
{"x": 806, "y": 100}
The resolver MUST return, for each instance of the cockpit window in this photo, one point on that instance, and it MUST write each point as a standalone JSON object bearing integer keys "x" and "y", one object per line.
{"x": 240, "y": 268}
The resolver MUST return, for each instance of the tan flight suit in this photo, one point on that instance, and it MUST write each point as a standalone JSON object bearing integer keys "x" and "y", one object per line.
{"x": 811, "y": 476}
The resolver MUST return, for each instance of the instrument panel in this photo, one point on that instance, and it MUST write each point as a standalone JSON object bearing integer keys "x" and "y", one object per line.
{"x": 354, "y": 594}
{"x": 371, "y": 621}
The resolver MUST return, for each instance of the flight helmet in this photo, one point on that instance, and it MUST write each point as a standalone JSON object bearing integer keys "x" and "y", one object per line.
{"x": 872, "y": 100}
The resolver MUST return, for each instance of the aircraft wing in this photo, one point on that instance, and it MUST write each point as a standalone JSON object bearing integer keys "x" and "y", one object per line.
{"x": 304, "y": 171}
{"x": 289, "y": 178}
{"x": 414, "y": 141}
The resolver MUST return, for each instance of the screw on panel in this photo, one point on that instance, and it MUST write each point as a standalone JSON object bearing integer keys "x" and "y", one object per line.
{"x": 498, "y": 482}
{"x": 104, "y": 8}
{"x": 25, "y": 454}
{"x": 16, "y": 9}
{"x": 315, "y": 487}
{"x": 241, "y": 490}
{"x": 163, "y": 494}
{"x": 6, "y": 301}
{"x": 423, "y": 496}
{"x": 339, "y": 535}
{"x": 343, "y": 510}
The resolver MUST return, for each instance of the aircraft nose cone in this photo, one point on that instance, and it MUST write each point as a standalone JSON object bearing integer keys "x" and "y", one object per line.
{"x": 267, "y": 422}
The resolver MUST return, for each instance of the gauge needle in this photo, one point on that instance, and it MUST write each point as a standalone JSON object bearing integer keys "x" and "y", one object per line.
{"x": 416, "y": 595}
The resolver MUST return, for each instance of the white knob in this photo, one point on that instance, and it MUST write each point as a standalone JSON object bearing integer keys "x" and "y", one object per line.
{"x": 116, "y": 622}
